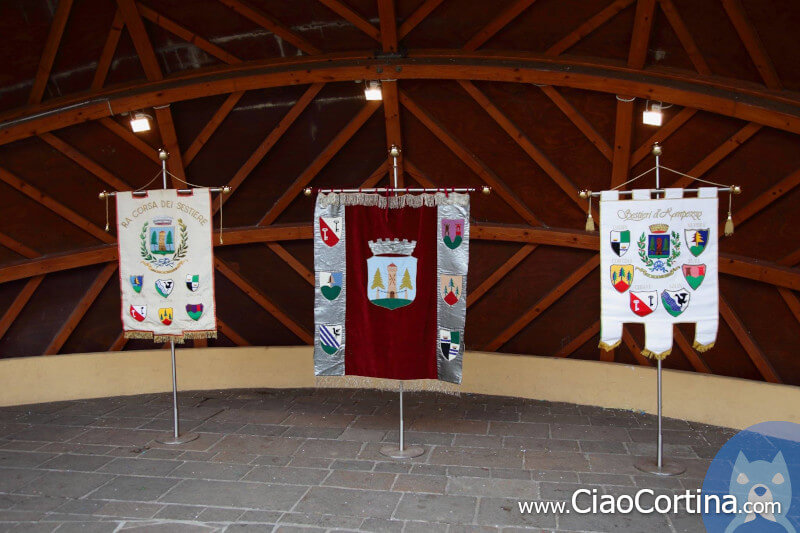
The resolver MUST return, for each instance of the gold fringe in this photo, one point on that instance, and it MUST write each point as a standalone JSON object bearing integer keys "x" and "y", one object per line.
{"x": 702, "y": 347}
{"x": 361, "y": 382}
{"x": 179, "y": 339}
{"x": 608, "y": 347}
{"x": 653, "y": 355}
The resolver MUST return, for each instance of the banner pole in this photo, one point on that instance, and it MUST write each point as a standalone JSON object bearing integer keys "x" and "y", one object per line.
{"x": 176, "y": 438}
{"x": 390, "y": 450}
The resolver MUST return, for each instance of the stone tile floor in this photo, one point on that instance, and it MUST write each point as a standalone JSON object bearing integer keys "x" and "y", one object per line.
{"x": 308, "y": 460}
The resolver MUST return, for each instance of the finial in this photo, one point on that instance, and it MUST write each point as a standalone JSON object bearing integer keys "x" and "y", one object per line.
{"x": 102, "y": 195}
{"x": 226, "y": 189}
{"x": 486, "y": 189}
{"x": 307, "y": 191}
{"x": 394, "y": 151}
{"x": 656, "y": 149}
{"x": 162, "y": 154}
{"x": 736, "y": 189}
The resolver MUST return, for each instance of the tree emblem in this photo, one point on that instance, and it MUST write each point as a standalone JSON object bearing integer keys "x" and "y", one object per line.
{"x": 158, "y": 251}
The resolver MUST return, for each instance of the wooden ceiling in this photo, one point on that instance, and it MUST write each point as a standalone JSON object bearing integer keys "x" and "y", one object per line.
{"x": 536, "y": 98}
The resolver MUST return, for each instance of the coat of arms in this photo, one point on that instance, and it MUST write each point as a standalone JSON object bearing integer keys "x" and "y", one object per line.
{"x": 658, "y": 250}
{"x": 195, "y": 311}
{"x": 675, "y": 302}
{"x": 621, "y": 277}
{"x": 620, "y": 242}
{"x": 696, "y": 240}
{"x": 136, "y": 283}
{"x": 449, "y": 343}
{"x": 138, "y": 312}
{"x": 165, "y": 315}
{"x": 644, "y": 302}
{"x": 451, "y": 288}
{"x": 193, "y": 282}
{"x": 162, "y": 249}
{"x": 330, "y": 284}
{"x": 330, "y": 230}
{"x": 392, "y": 273}
{"x": 330, "y": 338}
{"x": 694, "y": 274}
{"x": 452, "y": 232}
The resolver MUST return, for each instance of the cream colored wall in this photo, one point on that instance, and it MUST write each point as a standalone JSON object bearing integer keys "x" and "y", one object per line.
{"x": 691, "y": 396}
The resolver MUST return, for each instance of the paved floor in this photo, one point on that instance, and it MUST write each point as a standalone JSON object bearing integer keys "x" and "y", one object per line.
{"x": 308, "y": 460}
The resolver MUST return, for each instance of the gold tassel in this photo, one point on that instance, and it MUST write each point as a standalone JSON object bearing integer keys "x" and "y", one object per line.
{"x": 653, "y": 355}
{"x": 609, "y": 347}
{"x": 220, "y": 216}
{"x": 589, "y": 219}
{"x": 702, "y": 347}
{"x": 106, "y": 195}
{"x": 729, "y": 222}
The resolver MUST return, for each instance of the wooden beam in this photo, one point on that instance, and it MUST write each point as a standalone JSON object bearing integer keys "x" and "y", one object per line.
{"x": 500, "y": 273}
{"x": 719, "y": 153}
{"x": 138, "y": 33}
{"x": 579, "y": 341}
{"x": 187, "y": 35}
{"x": 502, "y": 20}
{"x": 50, "y": 50}
{"x": 16, "y": 307}
{"x": 229, "y": 332}
{"x": 292, "y": 261}
{"x": 80, "y": 309}
{"x": 686, "y": 39}
{"x": 344, "y": 11}
{"x": 270, "y": 24}
{"x": 259, "y": 298}
{"x": 642, "y": 26}
{"x": 576, "y": 35}
{"x": 580, "y": 121}
{"x": 377, "y": 175}
{"x": 319, "y": 162}
{"x": 694, "y": 358}
{"x": 119, "y": 343}
{"x": 55, "y": 206}
{"x": 128, "y": 136}
{"x": 419, "y": 14}
{"x": 791, "y": 301}
{"x": 170, "y": 139}
{"x": 543, "y": 304}
{"x": 623, "y": 135}
{"x": 83, "y": 161}
{"x": 211, "y": 126}
{"x": 418, "y": 175}
{"x": 109, "y": 49}
{"x": 471, "y": 160}
{"x": 391, "y": 111}
{"x": 790, "y": 259}
{"x": 749, "y": 36}
{"x": 526, "y": 144}
{"x": 730, "y": 98}
{"x": 634, "y": 348}
{"x": 753, "y": 351}
{"x": 17, "y": 247}
{"x": 741, "y": 214}
{"x": 266, "y": 145}
{"x": 388, "y": 23}
{"x": 662, "y": 134}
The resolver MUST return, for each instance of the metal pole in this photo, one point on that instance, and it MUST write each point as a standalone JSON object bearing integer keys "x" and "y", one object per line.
{"x": 660, "y": 435}
{"x": 390, "y": 450}
{"x": 176, "y": 430}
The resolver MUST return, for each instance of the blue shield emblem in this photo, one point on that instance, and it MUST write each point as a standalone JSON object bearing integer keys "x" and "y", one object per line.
{"x": 136, "y": 283}
{"x": 330, "y": 338}
{"x": 330, "y": 284}
{"x": 658, "y": 245}
{"x": 162, "y": 236}
{"x": 392, "y": 273}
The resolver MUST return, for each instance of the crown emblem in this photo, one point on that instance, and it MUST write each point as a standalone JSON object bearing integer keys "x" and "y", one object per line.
{"x": 392, "y": 247}
{"x": 659, "y": 228}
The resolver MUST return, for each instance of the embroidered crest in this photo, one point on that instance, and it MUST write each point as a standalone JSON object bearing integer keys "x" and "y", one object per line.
{"x": 449, "y": 343}
{"x": 136, "y": 283}
{"x": 658, "y": 250}
{"x": 620, "y": 242}
{"x": 165, "y": 315}
{"x": 164, "y": 287}
{"x": 138, "y": 312}
{"x": 330, "y": 284}
{"x": 675, "y": 302}
{"x": 621, "y": 277}
{"x": 694, "y": 274}
{"x": 157, "y": 245}
{"x": 644, "y": 302}
{"x": 696, "y": 240}
{"x": 452, "y": 232}
{"x": 330, "y": 229}
{"x": 392, "y": 273}
{"x": 330, "y": 338}
{"x": 192, "y": 282}
{"x": 451, "y": 288}
{"x": 195, "y": 311}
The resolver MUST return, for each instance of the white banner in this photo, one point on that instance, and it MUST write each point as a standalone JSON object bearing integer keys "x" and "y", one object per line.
{"x": 659, "y": 266}
{"x": 166, "y": 265}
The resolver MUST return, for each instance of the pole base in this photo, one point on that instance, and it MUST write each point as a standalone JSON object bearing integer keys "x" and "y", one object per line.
{"x": 182, "y": 439}
{"x": 668, "y": 468}
{"x": 394, "y": 451}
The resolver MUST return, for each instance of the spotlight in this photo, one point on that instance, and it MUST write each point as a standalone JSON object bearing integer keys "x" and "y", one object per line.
{"x": 140, "y": 122}
{"x": 652, "y": 114}
{"x": 373, "y": 90}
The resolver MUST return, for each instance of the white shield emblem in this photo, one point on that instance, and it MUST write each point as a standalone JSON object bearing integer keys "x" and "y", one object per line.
{"x": 449, "y": 343}
{"x": 138, "y": 312}
{"x": 164, "y": 287}
{"x": 675, "y": 302}
{"x": 644, "y": 302}
{"x": 330, "y": 230}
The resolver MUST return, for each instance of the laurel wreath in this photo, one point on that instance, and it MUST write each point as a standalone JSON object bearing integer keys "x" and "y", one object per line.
{"x": 674, "y": 253}
{"x": 180, "y": 251}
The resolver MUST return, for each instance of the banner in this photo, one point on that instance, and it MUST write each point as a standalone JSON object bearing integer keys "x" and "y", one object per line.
{"x": 658, "y": 267}
{"x": 166, "y": 265}
{"x": 391, "y": 282}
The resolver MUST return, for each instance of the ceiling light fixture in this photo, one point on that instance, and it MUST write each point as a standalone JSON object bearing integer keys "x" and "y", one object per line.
{"x": 140, "y": 122}
{"x": 652, "y": 114}
{"x": 372, "y": 91}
